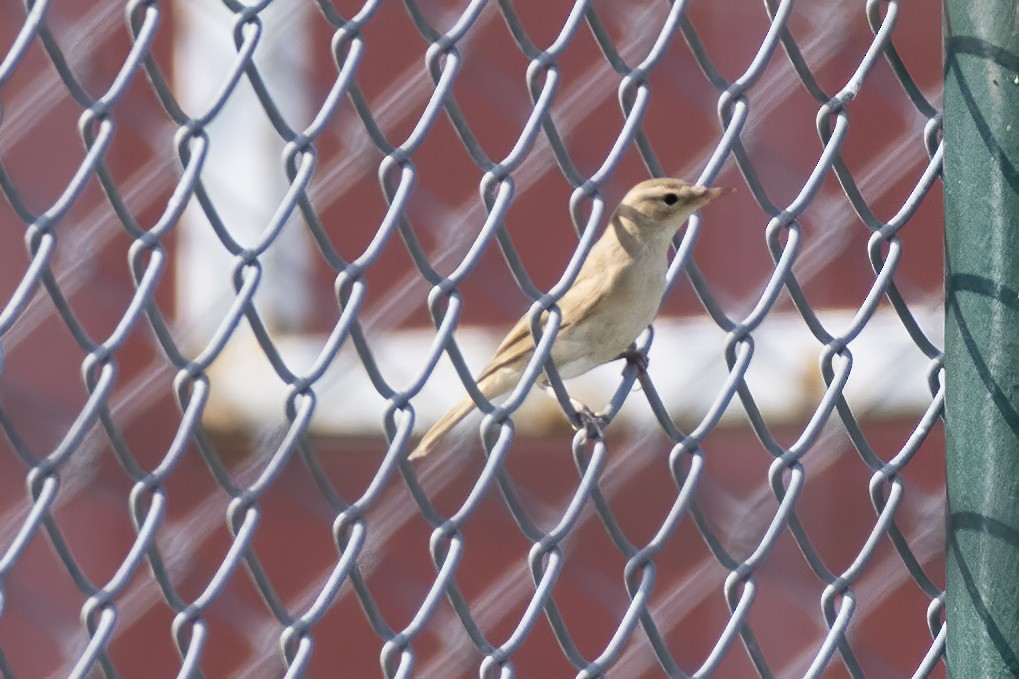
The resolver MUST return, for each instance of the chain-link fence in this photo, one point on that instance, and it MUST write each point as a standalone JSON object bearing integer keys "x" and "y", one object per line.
{"x": 321, "y": 208}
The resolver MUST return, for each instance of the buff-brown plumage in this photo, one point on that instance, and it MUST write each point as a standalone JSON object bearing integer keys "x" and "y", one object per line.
{"x": 615, "y": 296}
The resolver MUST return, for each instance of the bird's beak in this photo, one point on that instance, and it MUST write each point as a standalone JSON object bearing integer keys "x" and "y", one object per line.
{"x": 710, "y": 194}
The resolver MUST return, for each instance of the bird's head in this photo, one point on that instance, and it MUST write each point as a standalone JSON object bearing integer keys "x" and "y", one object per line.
{"x": 666, "y": 202}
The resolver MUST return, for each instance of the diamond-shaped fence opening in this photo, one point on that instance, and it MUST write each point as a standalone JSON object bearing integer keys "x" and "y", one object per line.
{"x": 250, "y": 251}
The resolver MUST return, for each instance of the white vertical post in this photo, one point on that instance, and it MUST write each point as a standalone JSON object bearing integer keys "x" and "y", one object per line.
{"x": 244, "y": 172}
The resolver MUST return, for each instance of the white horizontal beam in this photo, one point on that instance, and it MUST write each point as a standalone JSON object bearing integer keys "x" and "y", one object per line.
{"x": 888, "y": 377}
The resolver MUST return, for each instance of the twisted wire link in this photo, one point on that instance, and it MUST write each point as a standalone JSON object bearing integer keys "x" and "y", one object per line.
{"x": 539, "y": 144}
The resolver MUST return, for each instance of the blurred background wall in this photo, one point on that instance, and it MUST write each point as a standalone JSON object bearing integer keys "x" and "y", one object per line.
{"x": 46, "y": 365}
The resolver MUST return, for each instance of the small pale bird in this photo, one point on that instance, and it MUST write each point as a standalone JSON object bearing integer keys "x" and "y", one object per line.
{"x": 614, "y": 298}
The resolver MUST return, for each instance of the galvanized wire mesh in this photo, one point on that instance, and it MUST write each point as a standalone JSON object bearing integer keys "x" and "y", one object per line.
{"x": 300, "y": 621}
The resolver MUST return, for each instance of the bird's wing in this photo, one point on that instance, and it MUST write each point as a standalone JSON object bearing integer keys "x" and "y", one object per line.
{"x": 519, "y": 342}
{"x": 517, "y": 345}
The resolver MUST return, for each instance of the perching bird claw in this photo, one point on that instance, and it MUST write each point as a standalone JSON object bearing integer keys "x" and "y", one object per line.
{"x": 636, "y": 358}
{"x": 593, "y": 423}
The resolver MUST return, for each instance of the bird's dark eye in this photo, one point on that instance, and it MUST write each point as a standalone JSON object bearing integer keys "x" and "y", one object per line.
{"x": 670, "y": 199}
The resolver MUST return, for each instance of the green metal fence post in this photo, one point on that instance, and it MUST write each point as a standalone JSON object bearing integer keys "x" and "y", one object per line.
{"x": 981, "y": 132}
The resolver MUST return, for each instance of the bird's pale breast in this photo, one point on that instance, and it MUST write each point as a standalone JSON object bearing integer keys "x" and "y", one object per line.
{"x": 627, "y": 304}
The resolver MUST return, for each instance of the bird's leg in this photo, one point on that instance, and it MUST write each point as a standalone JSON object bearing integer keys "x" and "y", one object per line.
{"x": 636, "y": 358}
{"x": 590, "y": 420}
{"x": 594, "y": 424}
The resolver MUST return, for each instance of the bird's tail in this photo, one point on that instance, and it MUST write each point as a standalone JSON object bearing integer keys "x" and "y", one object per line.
{"x": 442, "y": 427}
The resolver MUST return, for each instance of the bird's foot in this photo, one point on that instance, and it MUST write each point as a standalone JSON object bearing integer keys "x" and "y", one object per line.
{"x": 593, "y": 423}
{"x": 636, "y": 358}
